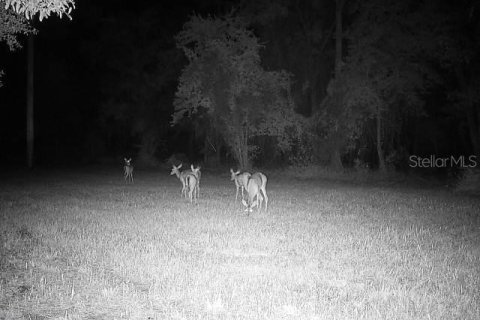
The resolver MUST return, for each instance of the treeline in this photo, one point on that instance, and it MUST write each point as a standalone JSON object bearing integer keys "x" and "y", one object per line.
{"x": 344, "y": 83}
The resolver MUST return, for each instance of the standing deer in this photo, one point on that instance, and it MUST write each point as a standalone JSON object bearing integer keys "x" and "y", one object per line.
{"x": 198, "y": 174}
{"x": 240, "y": 179}
{"x": 128, "y": 170}
{"x": 256, "y": 186}
{"x": 181, "y": 176}
{"x": 192, "y": 182}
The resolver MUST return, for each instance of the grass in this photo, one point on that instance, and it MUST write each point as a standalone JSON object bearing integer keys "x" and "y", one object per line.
{"x": 83, "y": 245}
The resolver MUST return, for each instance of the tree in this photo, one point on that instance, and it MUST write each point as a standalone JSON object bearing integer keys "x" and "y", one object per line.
{"x": 12, "y": 21}
{"x": 298, "y": 33}
{"x": 459, "y": 57}
{"x": 44, "y": 8}
{"x": 336, "y": 134}
{"x": 386, "y": 72}
{"x": 12, "y": 24}
{"x": 224, "y": 80}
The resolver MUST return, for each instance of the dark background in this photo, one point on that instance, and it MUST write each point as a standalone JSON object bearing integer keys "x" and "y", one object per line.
{"x": 114, "y": 69}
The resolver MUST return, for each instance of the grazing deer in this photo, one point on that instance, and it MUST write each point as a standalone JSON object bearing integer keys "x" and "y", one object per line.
{"x": 240, "y": 179}
{"x": 198, "y": 174}
{"x": 256, "y": 186}
{"x": 181, "y": 176}
{"x": 128, "y": 170}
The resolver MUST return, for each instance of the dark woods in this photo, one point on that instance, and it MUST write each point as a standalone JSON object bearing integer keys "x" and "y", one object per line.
{"x": 377, "y": 84}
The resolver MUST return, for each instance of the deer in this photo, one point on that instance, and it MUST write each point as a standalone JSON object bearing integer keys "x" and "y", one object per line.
{"x": 198, "y": 174}
{"x": 240, "y": 179}
{"x": 256, "y": 187}
{"x": 128, "y": 170}
{"x": 181, "y": 175}
{"x": 191, "y": 186}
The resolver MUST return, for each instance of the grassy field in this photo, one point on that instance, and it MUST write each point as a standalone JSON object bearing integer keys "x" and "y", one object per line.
{"x": 83, "y": 245}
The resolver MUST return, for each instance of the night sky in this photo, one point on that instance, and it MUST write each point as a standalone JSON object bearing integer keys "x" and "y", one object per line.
{"x": 90, "y": 73}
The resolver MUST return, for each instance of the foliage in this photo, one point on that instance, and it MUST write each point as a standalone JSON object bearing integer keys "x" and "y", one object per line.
{"x": 12, "y": 24}
{"x": 385, "y": 73}
{"x": 44, "y": 8}
{"x": 459, "y": 60}
{"x": 224, "y": 79}
{"x": 299, "y": 34}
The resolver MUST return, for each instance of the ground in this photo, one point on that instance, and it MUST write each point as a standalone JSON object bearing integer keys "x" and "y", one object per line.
{"x": 83, "y": 244}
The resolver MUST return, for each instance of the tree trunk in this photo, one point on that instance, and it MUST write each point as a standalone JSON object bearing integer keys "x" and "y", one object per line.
{"x": 219, "y": 144}
{"x": 472, "y": 111}
{"x": 244, "y": 156}
{"x": 338, "y": 36}
{"x": 476, "y": 110}
{"x": 381, "y": 157}
{"x": 335, "y": 158}
{"x": 213, "y": 143}
{"x": 473, "y": 126}
{"x": 237, "y": 143}
{"x": 29, "y": 114}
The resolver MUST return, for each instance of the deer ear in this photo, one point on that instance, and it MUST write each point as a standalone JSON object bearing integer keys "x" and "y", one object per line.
{"x": 191, "y": 167}
{"x": 244, "y": 203}
{"x": 179, "y": 166}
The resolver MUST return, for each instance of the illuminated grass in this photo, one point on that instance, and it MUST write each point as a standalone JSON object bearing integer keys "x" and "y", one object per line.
{"x": 85, "y": 245}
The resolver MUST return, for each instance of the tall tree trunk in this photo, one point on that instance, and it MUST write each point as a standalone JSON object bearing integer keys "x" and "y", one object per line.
{"x": 30, "y": 129}
{"x": 212, "y": 150}
{"x": 473, "y": 120}
{"x": 244, "y": 156}
{"x": 472, "y": 111}
{"x": 381, "y": 157}
{"x": 338, "y": 36}
{"x": 476, "y": 110}
{"x": 206, "y": 149}
{"x": 238, "y": 143}
{"x": 335, "y": 158}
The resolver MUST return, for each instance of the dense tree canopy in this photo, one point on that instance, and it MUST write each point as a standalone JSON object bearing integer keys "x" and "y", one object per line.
{"x": 44, "y": 8}
{"x": 375, "y": 80}
{"x": 224, "y": 78}
{"x": 14, "y": 16}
